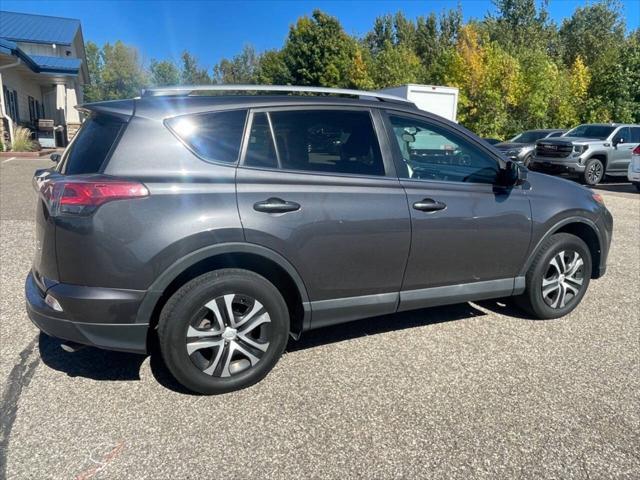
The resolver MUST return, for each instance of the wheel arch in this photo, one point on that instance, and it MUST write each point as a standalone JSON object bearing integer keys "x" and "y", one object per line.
{"x": 256, "y": 258}
{"x": 582, "y": 228}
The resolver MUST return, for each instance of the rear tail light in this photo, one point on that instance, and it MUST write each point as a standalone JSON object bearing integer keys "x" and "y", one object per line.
{"x": 636, "y": 151}
{"x": 83, "y": 197}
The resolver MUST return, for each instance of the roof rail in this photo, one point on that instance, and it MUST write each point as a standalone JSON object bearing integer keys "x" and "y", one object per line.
{"x": 191, "y": 89}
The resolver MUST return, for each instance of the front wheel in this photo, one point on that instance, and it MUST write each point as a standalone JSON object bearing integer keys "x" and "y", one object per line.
{"x": 223, "y": 331}
{"x": 593, "y": 171}
{"x": 637, "y": 185}
{"x": 558, "y": 277}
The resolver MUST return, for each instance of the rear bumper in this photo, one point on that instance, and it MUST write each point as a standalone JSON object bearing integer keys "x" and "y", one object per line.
{"x": 98, "y": 317}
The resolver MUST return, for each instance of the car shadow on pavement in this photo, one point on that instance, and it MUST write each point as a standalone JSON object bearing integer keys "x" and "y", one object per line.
{"x": 89, "y": 362}
{"x": 614, "y": 186}
{"x": 104, "y": 365}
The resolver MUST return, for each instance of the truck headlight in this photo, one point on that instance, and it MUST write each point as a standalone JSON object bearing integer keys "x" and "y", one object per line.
{"x": 580, "y": 149}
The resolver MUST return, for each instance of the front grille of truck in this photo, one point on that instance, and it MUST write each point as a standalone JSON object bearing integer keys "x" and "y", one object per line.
{"x": 553, "y": 150}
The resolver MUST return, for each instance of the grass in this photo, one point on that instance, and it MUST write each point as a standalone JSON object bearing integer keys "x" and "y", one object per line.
{"x": 22, "y": 140}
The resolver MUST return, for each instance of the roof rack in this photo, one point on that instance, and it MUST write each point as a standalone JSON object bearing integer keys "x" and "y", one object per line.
{"x": 191, "y": 89}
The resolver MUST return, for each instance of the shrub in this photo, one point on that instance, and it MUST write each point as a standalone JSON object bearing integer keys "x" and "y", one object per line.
{"x": 22, "y": 140}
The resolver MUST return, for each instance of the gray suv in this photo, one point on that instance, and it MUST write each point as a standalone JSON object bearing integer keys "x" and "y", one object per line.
{"x": 520, "y": 148}
{"x": 216, "y": 226}
{"x": 589, "y": 151}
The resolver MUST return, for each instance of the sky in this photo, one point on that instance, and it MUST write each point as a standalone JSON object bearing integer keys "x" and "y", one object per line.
{"x": 212, "y": 30}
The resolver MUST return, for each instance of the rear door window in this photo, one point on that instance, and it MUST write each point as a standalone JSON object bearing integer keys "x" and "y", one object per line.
{"x": 215, "y": 136}
{"x": 324, "y": 141}
{"x": 92, "y": 145}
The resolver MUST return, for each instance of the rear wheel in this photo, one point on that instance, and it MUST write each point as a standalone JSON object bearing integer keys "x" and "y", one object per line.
{"x": 593, "y": 171}
{"x": 558, "y": 278}
{"x": 223, "y": 331}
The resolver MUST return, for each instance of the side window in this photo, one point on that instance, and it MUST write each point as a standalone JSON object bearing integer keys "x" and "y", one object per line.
{"x": 330, "y": 141}
{"x": 635, "y": 135}
{"x": 261, "y": 151}
{"x": 214, "y": 136}
{"x": 431, "y": 152}
{"x": 555, "y": 134}
{"x": 622, "y": 136}
{"x": 92, "y": 145}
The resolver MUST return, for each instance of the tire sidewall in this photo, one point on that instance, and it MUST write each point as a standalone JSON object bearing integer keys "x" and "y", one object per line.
{"x": 191, "y": 298}
{"x": 558, "y": 243}
{"x": 588, "y": 165}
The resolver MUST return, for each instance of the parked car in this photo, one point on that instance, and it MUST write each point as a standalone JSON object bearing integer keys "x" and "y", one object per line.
{"x": 633, "y": 173}
{"x": 589, "y": 151}
{"x": 209, "y": 224}
{"x": 520, "y": 148}
{"x": 492, "y": 141}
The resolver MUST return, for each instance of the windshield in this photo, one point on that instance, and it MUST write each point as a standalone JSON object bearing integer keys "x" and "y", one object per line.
{"x": 591, "y": 131}
{"x": 528, "y": 137}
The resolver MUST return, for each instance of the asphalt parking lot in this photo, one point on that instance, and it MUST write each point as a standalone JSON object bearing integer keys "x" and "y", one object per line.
{"x": 467, "y": 391}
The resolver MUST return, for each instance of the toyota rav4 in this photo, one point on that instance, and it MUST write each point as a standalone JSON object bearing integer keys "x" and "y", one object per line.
{"x": 219, "y": 225}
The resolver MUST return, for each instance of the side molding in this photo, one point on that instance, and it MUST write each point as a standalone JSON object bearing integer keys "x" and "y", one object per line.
{"x": 450, "y": 294}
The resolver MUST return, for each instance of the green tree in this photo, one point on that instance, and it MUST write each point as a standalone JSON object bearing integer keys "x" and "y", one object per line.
{"x": 163, "y": 74}
{"x": 241, "y": 69}
{"x": 93, "y": 90}
{"x": 318, "y": 51}
{"x": 191, "y": 73}
{"x": 395, "y": 65}
{"x": 122, "y": 75}
{"x": 272, "y": 69}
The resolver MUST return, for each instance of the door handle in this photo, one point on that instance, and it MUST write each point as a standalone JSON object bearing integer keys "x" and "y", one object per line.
{"x": 276, "y": 205}
{"x": 429, "y": 205}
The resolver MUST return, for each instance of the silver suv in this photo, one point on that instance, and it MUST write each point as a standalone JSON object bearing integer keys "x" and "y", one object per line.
{"x": 589, "y": 151}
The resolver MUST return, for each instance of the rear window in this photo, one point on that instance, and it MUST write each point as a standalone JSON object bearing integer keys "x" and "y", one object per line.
{"x": 212, "y": 136}
{"x": 89, "y": 150}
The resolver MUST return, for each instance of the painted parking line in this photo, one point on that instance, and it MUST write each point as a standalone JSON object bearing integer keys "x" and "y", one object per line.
{"x": 8, "y": 160}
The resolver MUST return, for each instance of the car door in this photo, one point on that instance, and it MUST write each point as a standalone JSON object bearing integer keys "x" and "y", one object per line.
{"x": 315, "y": 186}
{"x": 470, "y": 237}
{"x": 622, "y": 146}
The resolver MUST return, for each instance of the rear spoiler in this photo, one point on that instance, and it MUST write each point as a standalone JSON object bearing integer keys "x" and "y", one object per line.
{"x": 122, "y": 109}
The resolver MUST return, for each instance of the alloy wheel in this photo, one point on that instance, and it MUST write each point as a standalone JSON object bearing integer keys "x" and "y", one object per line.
{"x": 563, "y": 280}
{"x": 228, "y": 335}
{"x": 595, "y": 173}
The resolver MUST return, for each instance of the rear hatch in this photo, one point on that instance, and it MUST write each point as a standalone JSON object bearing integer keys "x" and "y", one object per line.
{"x": 75, "y": 187}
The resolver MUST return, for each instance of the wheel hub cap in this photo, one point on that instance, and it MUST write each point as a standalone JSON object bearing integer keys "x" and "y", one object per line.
{"x": 564, "y": 279}
{"x": 228, "y": 335}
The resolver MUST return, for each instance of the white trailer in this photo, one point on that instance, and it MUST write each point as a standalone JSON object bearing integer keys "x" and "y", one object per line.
{"x": 436, "y": 99}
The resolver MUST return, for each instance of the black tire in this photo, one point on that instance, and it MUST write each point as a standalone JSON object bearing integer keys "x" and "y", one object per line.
{"x": 188, "y": 304}
{"x": 593, "y": 172}
{"x": 637, "y": 185}
{"x": 533, "y": 300}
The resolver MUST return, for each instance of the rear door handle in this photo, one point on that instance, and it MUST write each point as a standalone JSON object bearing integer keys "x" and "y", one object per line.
{"x": 276, "y": 205}
{"x": 429, "y": 205}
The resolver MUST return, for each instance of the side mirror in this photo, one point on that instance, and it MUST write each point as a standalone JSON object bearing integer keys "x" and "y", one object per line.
{"x": 512, "y": 174}
{"x": 617, "y": 141}
{"x": 55, "y": 157}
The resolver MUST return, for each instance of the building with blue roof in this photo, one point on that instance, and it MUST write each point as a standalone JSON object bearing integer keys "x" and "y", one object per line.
{"x": 43, "y": 68}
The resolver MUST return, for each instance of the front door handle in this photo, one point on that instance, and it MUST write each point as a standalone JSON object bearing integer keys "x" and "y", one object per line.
{"x": 429, "y": 205}
{"x": 276, "y": 205}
